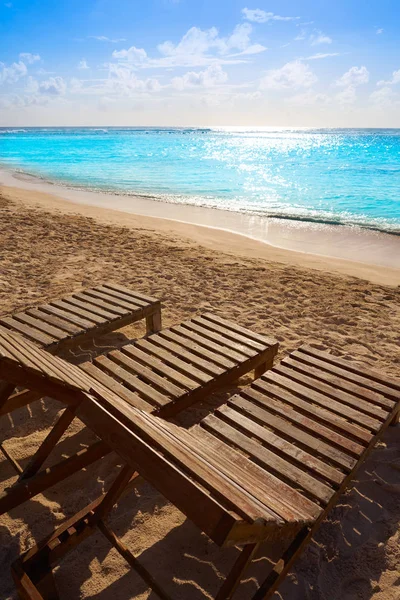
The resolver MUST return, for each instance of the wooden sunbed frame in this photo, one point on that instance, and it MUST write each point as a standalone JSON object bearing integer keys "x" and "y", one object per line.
{"x": 268, "y": 465}
{"x": 163, "y": 373}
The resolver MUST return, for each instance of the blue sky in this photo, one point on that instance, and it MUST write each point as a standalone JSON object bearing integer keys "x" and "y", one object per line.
{"x": 193, "y": 62}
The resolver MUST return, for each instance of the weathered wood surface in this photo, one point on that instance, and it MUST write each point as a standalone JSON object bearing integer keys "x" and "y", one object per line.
{"x": 65, "y": 322}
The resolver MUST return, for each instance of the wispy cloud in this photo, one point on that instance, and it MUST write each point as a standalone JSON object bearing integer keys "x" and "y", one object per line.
{"x": 355, "y": 76}
{"x": 393, "y": 81}
{"x": 292, "y": 75}
{"x": 82, "y": 65}
{"x": 257, "y": 15}
{"x": 104, "y": 38}
{"x": 197, "y": 48}
{"x": 320, "y": 38}
{"x": 29, "y": 58}
{"x": 379, "y": 31}
{"x": 321, "y": 55}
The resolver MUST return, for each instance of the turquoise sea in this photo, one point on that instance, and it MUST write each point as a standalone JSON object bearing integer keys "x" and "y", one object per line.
{"x": 338, "y": 176}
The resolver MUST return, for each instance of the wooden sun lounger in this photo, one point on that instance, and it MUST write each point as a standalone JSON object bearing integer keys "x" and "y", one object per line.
{"x": 163, "y": 374}
{"x": 268, "y": 465}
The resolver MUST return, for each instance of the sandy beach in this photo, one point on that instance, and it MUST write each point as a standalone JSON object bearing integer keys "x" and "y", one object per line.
{"x": 50, "y": 246}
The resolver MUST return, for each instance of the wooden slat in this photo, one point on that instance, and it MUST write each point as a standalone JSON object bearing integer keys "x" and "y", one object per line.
{"x": 252, "y": 429}
{"x": 71, "y": 307}
{"x": 132, "y": 381}
{"x": 115, "y": 387}
{"x": 354, "y": 373}
{"x": 220, "y": 339}
{"x": 367, "y": 400}
{"x": 157, "y": 347}
{"x": 304, "y": 387}
{"x": 131, "y": 298}
{"x": 208, "y": 361}
{"x": 159, "y": 367}
{"x": 117, "y": 298}
{"x": 258, "y": 480}
{"x": 237, "y": 338}
{"x": 101, "y": 300}
{"x": 83, "y": 324}
{"x": 81, "y": 301}
{"x": 207, "y": 344}
{"x": 129, "y": 292}
{"x": 265, "y": 341}
{"x": 313, "y": 436}
{"x": 146, "y": 373}
{"x": 317, "y": 413}
{"x": 271, "y": 461}
{"x": 48, "y": 329}
{"x": 31, "y": 333}
{"x": 65, "y": 326}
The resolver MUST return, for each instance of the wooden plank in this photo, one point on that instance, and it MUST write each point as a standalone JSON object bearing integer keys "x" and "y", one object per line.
{"x": 241, "y": 349}
{"x": 93, "y": 319}
{"x": 207, "y": 344}
{"x": 119, "y": 301}
{"x": 229, "y": 334}
{"x": 117, "y": 388}
{"x": 269, "y": 460}
{"x": 124, "y": 296}
{"x": 65, "y": 326}
{"x": 129, "y": 292}
{"x": 161, "y": 351}
{"x": 303, "y": 386}
{"x": 48, "y": 329}
{"x": 83, "y": 324}
{"x": 354, "y": 373}
{"x": 367, "y": 400}
{"x": 81, "y": 301}
{"x": 317, "y": 413}
{"x": 160, "y": 367}
{"x": 265, "y": 341}
{"x": 133, "y": 382}
{"x": 293, "y": 452}
{"x": 102, "y": 301}
{"x": 146, "y": 373}
{"x": 208, "y": 361}
{"x": 31, "y": 333}
{"x": 256, "y": 479}
{"x": 298, "y": 428}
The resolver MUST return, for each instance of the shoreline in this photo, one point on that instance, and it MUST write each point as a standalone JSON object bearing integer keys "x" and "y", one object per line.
{"x": 211, "y": 238}
{"x": 333, "y": 241}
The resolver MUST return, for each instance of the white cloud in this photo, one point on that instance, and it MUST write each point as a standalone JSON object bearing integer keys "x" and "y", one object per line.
{"x": 395, "y": 79}
{"x": 319, "y": 38}
{"x": 12, "y": 73}
{"x": 347, "y": 97}
{"x": 379, "y": 31}
{"x": 301, "y": 36}
{"x": 54, "y": 86}
{"x": 133, "y": 55}
{"x": 197, "y": 48}
{"x": 308, "y": 98}
{"x": 210, "y": 77}
{"x": 257, "y": 15}
{"x": 29, "y": 58}
{"x": 353, "y": 77}
{"x": 319, "y": 55}
{"x": 122, "y": 80}
{"x": 82, "y": 65}
{"x": 384, "y": 98}
{"x": 104, "y": 38}
{"x": 294, "y": 74}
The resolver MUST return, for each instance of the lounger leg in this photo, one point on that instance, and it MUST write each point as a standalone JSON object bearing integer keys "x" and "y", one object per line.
{"x": 6, "y": 389}
{"x": 396, "y": 419}
{"x": 233, "y": 579}
{"x": 47, "y": 446}
{"x": 281, "y": 569}
{"x": 153, "y": 322}
{"x": 265, "y": 366}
